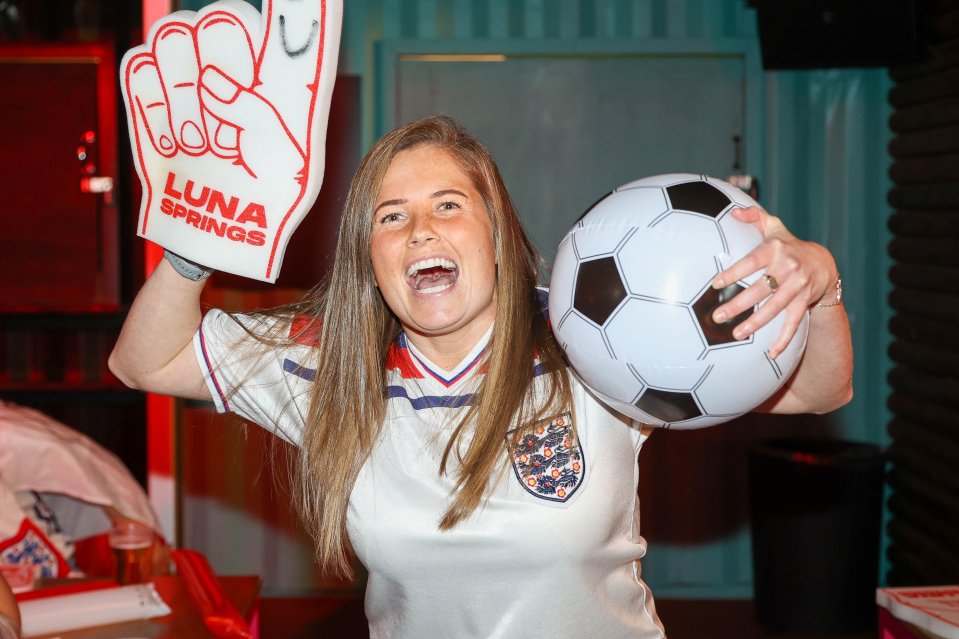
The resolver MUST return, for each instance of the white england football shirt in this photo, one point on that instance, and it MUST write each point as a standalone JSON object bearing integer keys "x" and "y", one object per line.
{"x": 554, "y": 551}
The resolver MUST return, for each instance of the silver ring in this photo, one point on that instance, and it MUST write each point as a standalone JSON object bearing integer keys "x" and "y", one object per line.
{"x": 771, "y": 282}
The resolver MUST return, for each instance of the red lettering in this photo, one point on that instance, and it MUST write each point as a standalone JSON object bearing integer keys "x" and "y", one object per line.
{"x": 193, "y": 200}
{"x": 236, "y": 233}
{"x": 255, "y": 238}
{"x": 218, "y": 201}
{"x": 210, "y": 224}
{"x": 168, "y": 189}
{"x": 253, "y": 213}
{"x": 213, "y": 201}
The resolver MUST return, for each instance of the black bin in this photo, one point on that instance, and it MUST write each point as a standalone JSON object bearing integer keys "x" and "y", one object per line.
{"x": 816, "y": 511}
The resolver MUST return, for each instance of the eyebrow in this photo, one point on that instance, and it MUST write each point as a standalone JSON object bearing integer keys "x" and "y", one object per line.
{"x": 388, "y": 203}
{"x": 447, "y": 192}
{"x": 432, "y": 196}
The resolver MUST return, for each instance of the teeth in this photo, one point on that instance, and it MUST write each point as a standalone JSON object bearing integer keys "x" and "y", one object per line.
{"x": 431, "y": 262}
{"x": 436, "y": 289}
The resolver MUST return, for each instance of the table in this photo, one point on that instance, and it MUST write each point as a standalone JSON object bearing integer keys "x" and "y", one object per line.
{"x": 184, "y": 622}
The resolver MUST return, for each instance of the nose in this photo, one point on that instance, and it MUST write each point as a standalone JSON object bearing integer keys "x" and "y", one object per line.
{"x": 421, "y": 228}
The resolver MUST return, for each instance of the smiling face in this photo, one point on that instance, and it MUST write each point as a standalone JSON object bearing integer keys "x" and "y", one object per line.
{"x": 431, "y": 247}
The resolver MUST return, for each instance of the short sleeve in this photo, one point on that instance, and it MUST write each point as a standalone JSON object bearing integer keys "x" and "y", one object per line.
{"x": 251, "y": 378}
{"x": 638, "y": 431}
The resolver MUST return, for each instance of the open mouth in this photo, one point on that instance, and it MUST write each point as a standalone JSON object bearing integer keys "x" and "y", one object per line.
{"x": 432, "y": 275}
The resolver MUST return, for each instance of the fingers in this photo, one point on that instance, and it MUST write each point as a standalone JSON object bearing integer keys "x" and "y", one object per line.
{"x": 779, "y": 280}
{"x": 768, "y": 304}
{"x": 292, "y": 65}
{"x": 790, "y": 326}
{"x": 748, "y": 267}
{"x": 232, "y": 103}
{"x": 751, "y": 270}
{"x": 176, "y": 57}
{"x": 751, "y": 215}
{"x": 147, "y": 104}
{"x": 224, "y": 42}
{"x": 744, "y": 302}
{"x": 163, "y": 82}
{"x": 298, "y": 60}
{"x": 755, "y": 294}
{"x": 781, "y": 276}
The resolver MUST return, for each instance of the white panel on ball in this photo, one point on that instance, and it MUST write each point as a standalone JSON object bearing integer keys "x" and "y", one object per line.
{"x": 642, "y": 327}
{"x": 633, "y": 206}
{"x": 657, "y": 239}
{"x": 623, "y": 382}
{"x": 563, "y": 277}
{"x": 648, "y": 249}
{"x": 676, "y": 378}
{"x": 588, "y": 337}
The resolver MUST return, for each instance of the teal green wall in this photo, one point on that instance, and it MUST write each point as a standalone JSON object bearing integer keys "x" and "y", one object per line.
{"x": 820, "y": 154}
{"x": 825, "y": 166}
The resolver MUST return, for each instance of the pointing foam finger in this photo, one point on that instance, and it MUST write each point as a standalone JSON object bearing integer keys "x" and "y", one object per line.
{"x": 298, "y": 60}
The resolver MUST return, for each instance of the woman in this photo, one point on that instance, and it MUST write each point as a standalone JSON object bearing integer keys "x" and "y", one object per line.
{"x": 432, "y": 405}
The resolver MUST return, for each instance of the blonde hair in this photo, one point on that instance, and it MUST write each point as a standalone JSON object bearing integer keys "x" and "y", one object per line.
{"x": 355, "y": 329}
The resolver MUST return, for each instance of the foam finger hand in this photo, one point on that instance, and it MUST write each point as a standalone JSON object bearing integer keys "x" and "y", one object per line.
{"x": 228, "y": 111}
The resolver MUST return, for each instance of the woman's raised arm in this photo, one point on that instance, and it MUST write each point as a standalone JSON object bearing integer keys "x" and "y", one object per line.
{"x": 155, "y": 349}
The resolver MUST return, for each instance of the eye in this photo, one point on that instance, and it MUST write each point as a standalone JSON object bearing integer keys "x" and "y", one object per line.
{"x": 390, "y": 217}
{"x": 448, "y": 205}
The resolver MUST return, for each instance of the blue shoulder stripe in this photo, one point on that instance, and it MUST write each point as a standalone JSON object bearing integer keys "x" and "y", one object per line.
{"x": 309, "y": 374}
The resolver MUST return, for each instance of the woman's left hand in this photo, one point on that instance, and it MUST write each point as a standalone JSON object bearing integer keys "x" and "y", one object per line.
{"x": 797, "y": 275}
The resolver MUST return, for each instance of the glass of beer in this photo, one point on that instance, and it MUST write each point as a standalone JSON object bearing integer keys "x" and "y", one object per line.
{"x": 132, "y": 545}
